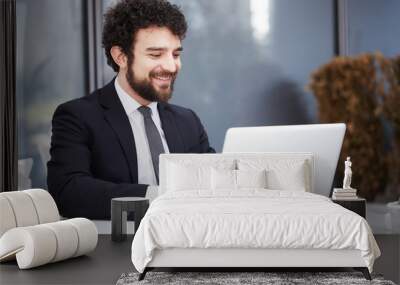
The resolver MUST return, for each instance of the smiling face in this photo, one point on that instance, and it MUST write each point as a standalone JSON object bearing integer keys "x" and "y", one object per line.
{"x": 155, "y": 64}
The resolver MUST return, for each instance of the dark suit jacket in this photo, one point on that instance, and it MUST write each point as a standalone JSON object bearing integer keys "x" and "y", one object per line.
{"x": 93, "y": 154}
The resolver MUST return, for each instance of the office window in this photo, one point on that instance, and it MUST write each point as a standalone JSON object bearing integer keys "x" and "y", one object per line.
{"x": 373, "y": 26}
{"x": 247, "y": 62}
{"x": 51, "y": 69}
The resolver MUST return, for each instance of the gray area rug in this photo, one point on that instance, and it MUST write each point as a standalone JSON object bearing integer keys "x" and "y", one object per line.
{"x": 229, "y": 278}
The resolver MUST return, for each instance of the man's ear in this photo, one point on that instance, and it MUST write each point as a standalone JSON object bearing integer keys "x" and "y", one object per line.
{"x": 119, "y": 57}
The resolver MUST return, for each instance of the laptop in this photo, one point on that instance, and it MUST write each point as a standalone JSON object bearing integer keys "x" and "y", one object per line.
{"x": 323, "y": 140}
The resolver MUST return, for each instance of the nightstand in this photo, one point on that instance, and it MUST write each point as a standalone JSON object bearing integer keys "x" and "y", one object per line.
{"x": 120, "y": 207}
{"x": 357, "y": 205}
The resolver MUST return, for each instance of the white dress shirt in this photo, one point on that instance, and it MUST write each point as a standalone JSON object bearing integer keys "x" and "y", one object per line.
{"x": 146, "y": 173}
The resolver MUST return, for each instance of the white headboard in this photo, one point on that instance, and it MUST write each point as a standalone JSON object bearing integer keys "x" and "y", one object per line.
{"x": 208, "y": 158}
{"x": 323, "y": 140}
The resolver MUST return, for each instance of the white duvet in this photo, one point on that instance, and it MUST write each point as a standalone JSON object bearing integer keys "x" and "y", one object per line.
{"x": 250, "y": 219}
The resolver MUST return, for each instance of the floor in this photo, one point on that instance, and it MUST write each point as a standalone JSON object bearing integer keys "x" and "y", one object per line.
{"x": 389, "y": 262}
{"x": 103, "y": 266}
{"x": 110, "y": 260}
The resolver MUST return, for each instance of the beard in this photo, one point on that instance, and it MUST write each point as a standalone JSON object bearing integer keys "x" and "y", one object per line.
{"x": 145, "y": 89}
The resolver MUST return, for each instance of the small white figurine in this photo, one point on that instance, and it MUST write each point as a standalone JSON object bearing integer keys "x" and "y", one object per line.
{"x": 347, "y": 174}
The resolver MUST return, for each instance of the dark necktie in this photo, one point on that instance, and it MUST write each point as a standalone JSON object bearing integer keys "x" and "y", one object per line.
{"x": 153, "y": 137}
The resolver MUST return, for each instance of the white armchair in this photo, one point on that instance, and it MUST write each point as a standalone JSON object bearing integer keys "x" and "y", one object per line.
{"x": 31, "y": 230}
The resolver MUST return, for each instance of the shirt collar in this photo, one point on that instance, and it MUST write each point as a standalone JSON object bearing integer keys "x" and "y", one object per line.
{"x": 130, "y": 104}
{"x": 153, "y": 107}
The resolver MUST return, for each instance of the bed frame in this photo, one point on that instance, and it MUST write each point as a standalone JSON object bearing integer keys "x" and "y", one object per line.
{"x": 242, "y": 258}
{"x": 256, "y": 258}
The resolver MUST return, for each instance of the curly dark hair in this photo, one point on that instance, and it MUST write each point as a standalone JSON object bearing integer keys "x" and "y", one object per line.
{"x": 122, "y": 22}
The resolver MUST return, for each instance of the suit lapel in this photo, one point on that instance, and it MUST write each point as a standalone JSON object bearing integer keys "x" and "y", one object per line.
{"x": 115, "y": 115}
{"x": 174, "y": 139}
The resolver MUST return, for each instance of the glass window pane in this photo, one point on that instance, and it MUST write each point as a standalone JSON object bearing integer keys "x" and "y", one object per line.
{"x": 374, "y": 26}
{"x": 246, "y": 62}
{"x": 50, "y": 70}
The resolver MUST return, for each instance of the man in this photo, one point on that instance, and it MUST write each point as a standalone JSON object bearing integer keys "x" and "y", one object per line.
{"x": 107, "y": 144}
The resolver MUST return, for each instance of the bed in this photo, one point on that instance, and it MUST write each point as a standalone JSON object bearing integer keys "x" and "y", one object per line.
{"x": 248, "y": 210}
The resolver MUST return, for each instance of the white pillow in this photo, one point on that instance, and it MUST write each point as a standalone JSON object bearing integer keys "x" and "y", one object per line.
{"x": 251, "y": 178}
{"x": 191, "y": 177}
{"x": 289, "y": 179}
{"x": 226, "y": 179}
{"x": 193, "y": 174}
{"x": 282, "y": 174}
{"x": 223, "y": 179}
